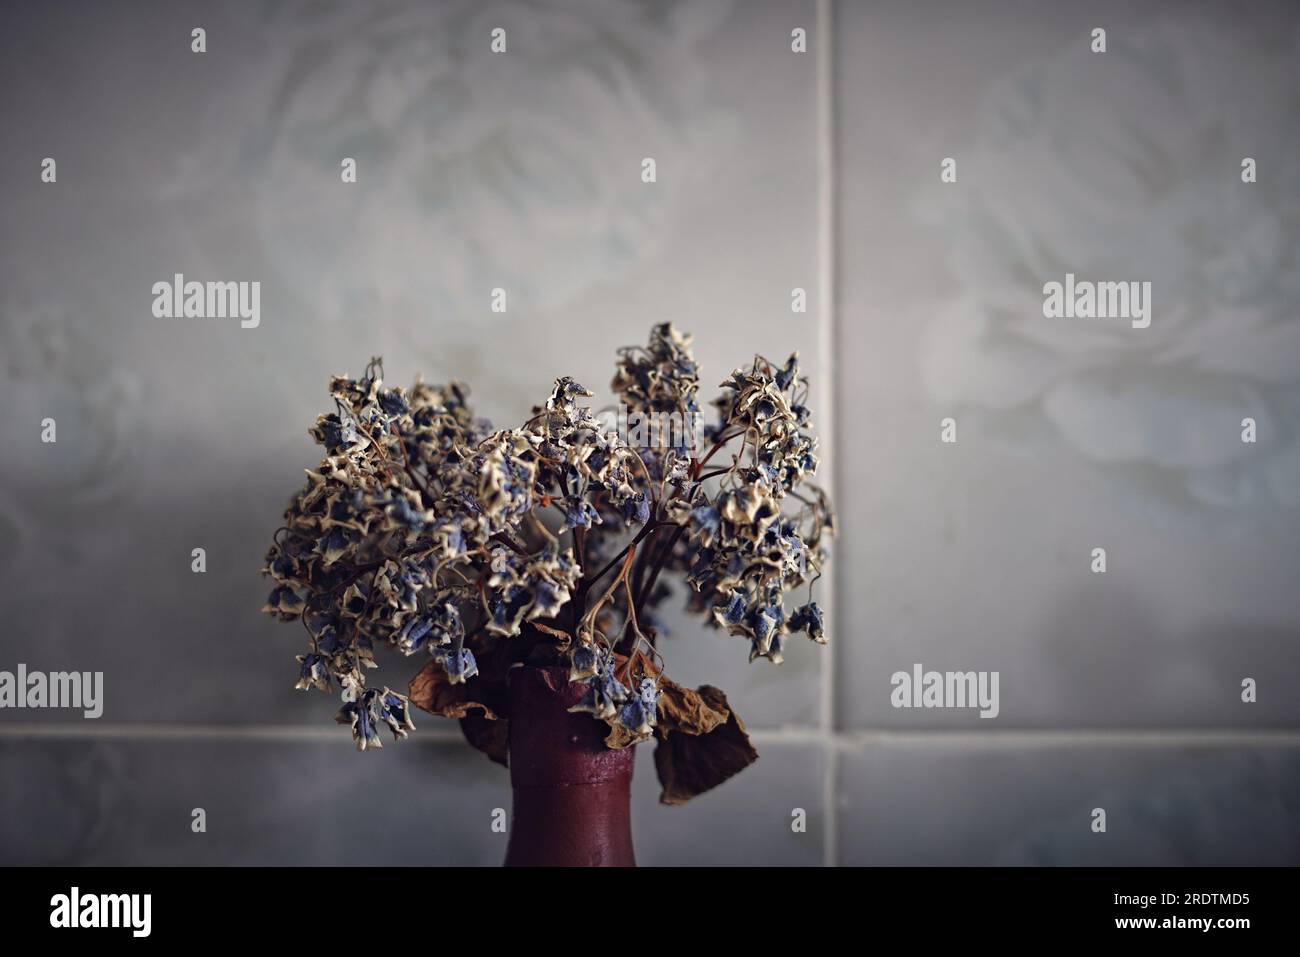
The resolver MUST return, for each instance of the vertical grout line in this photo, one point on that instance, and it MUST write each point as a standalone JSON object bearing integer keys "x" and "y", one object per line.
{"x": 826, "y": 261}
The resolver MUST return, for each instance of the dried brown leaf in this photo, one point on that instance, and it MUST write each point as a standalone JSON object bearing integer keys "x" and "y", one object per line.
{"x": 621, "y": 737}
{"x": 479, "y": 704}
{"x": 686, "y": 711}
{"x": 690, "y": 764}
{"x": 432, "y": 691}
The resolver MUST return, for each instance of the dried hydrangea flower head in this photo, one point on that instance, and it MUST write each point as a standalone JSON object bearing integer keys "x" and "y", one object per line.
{"x": 426, "y": 529}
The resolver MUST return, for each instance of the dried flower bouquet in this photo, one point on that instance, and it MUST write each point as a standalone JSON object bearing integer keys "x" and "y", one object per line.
{"x": 425, "y": 529}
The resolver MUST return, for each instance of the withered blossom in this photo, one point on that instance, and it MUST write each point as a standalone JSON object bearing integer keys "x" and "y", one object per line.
{"x": 426, "y": 529}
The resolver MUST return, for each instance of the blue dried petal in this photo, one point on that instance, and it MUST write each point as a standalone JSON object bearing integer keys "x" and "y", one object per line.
{"x": 447, "y": 622}
{"x": 454, "y": 538}
{"x": 393, "y": 402}
{"x": 328, "y": 640}
{"x": 284, "y": 601}
{"x": 313, "y": 672}
{"x": 401, "y": 511}
{"x": 648, "y": 693}
{"x": 507, "y": 610}
{"x": 771, "y": 649}
{"x": 459, "y": 663}
{"x": 583, "y": 661}
{"x": 348, "y": 431}
{"x": 701, "y": 565}
{"x": 604, "y": 692}
{"x": 329, "y": 432}
{"x": 811, "y": 619}
{"x": 636, "y": 717}
{"x": 580, "y": 514}
{"x": 549, "y": 600}
{"x": 785, "y": 376}
{"x": 333, "y": 544}
{"x": 734, "y": 613}
{"x": 414, "y": 634}
{"x": 706, "y": 521}
{"x": 394, "y": 710}
{"x": 364, "y": 731}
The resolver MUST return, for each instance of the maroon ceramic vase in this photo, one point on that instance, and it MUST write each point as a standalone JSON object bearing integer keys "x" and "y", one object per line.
{"x": 572, "y": 794}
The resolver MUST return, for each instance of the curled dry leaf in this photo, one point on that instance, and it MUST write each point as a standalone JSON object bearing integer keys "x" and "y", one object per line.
{"x": 479, "y": 704}
{"x": 621, "y": 737}
{"x": 686, "y": 711}
{"x": 690, "y": 764}
{"x": 433, "y": 691}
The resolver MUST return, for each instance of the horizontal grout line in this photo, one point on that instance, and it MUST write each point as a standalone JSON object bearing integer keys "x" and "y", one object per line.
{"x": 843, "y": 740}
{"x": 1082, "y": 737}
{"x": 211, "y": 732}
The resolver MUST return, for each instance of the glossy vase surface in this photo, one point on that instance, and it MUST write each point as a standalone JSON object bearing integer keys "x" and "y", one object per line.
{"x": 572, "y": 794}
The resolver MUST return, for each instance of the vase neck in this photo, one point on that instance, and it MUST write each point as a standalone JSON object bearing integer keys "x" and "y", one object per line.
{"x": 571, "y": 793}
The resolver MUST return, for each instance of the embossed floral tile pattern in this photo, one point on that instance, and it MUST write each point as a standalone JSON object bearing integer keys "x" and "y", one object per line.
{"x": 1072, "y": 434}
{"x": 174, "y": 434}
{"x": 776, "y": 171}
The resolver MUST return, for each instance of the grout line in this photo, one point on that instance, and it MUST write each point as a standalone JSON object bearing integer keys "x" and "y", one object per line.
{"x": 1081, "y": 737}
{"x": 826, "y": 292}
{"x": 840, "y": 741}
{"x": 209, "y": 732}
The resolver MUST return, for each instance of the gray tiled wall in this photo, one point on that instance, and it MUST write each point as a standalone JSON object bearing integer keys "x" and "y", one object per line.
{"x": 1119, "y": 690}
